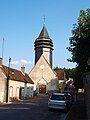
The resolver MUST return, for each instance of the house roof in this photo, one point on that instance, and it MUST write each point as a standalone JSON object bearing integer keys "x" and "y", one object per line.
{"x": 60, "y": 74}
{"x": 16, "y": 75}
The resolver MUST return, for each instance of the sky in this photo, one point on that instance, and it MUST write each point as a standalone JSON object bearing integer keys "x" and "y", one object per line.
{"x": 21, "y": 22}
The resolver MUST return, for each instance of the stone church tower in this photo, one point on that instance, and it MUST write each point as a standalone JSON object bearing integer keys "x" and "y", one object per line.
{"x": 43, "y": 45}
{"x": 44, "y": 77}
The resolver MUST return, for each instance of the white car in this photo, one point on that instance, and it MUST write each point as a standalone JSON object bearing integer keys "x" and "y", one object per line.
{"x": 59, "y": 101}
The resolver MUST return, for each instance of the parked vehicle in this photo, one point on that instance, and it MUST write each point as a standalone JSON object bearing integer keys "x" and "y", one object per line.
{"x": 69, "y": 93}
{"x": 59, "y": 101}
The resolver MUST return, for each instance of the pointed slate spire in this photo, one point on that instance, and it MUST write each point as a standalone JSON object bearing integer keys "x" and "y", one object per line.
{"x": 43, "y": 45}
{"x": 44, "y": 33}
{"x": 43, "y": 41}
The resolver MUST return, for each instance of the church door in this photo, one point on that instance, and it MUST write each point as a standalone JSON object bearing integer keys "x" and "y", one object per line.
{"x": 42, "y": 88}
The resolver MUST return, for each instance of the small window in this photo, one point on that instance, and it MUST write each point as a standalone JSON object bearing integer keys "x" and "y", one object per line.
{"x": 12, "y": 72}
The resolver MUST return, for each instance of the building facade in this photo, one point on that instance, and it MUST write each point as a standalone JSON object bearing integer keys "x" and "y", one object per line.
{"x": 19, "y": 86}
{"x": 42, "y": 74}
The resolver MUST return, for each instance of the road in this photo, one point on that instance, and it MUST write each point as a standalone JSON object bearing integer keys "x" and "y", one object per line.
{"x": 33, "y": 109}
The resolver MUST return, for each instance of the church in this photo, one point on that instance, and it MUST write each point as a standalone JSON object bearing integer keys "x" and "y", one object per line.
{"x": 44, "y": 77}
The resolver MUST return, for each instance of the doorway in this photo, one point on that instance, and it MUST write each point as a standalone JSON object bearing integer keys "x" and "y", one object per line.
{"x": 42, "y": 88}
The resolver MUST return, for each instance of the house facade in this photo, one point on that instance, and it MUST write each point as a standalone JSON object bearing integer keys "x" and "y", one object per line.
{"x": 19, "y": 86}
{"x": 61, "y": 79}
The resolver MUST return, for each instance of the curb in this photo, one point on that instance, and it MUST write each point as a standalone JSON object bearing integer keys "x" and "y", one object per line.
{"x": 68, "y": 113}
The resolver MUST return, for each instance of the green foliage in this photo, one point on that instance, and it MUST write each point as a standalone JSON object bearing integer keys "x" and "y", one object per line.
{"x": 80, "y": 43}
{"x": 69, "y": 72}
{"x": 78, "y": 79}
{"x": 57, "y": 68}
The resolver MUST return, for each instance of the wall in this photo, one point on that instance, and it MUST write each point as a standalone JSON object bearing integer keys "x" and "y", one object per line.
{"x": 19, "y": 90}
{"x": 87, "y": 93}
{"x": 2, "y": 87}
{"x": 14, "y": 87}
{"x": 46, "y": 74}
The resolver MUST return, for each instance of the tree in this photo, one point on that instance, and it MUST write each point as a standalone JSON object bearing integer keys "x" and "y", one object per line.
{"x": 69, "y": 72}
{"x": 80, "y": 43}
{"x": 57, "y": 68}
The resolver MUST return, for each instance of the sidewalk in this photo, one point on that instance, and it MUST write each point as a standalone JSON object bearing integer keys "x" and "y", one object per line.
{"x": 77, "y": 111}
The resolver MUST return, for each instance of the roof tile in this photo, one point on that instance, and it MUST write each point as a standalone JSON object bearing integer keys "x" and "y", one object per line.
{"x": 16, "y": 75}
{"x": 60, "y": 74}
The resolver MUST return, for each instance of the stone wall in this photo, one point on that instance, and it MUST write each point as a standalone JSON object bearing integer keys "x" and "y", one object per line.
{"x": 2, "y": 86}
{"x": 44, "y": 76}
{"x": 87, "y": 93}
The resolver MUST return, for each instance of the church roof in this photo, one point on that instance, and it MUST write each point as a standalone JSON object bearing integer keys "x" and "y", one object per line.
{"x": 44, "y": 33}
{"x": 43, "y": 41}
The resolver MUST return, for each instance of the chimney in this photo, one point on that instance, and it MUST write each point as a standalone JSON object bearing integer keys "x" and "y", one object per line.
{"x": 0, "y": 62}
{"x": 23, "y": 69}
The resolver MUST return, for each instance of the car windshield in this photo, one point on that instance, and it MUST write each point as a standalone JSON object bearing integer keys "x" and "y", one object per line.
{"x": 57, "y": 97}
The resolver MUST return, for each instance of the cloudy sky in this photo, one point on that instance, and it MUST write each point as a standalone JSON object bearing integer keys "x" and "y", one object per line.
{"x": 21, "y": 22}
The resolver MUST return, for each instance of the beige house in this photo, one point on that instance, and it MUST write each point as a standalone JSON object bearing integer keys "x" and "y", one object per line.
{"x": 20, "y": 84}
{"x": 61, "y": 79}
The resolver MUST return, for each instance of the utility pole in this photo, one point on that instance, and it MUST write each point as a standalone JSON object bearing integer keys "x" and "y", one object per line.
{"x": 3, "y": 50}
{"x": 7, "y": 82}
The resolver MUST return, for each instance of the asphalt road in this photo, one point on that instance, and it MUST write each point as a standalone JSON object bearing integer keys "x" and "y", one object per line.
{"x": 33, "y": 109}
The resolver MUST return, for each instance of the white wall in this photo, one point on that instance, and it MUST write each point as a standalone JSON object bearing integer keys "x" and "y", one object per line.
{"x": 14, "y": 87}
{"x": 2, "y": 87}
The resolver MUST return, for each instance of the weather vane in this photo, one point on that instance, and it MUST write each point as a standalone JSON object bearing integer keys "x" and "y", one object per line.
{"x": 44, "y": 19}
